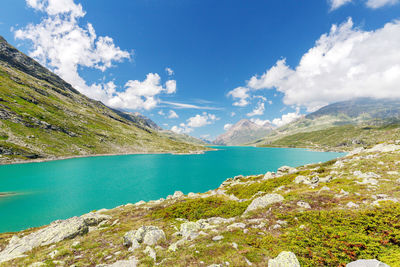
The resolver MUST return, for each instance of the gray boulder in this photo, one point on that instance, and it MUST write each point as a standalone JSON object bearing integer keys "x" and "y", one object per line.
{"x": 132, "y": 262}
{"x": 284, "y": 259}
{"x": 367, "y": 263}
{"x": 149, "y": 235}
{"x": 55, "y": 232}
{"x": 264, "y": 201}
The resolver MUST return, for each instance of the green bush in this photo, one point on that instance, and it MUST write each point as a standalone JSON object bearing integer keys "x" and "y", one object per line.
{"x": 201, "y": 208}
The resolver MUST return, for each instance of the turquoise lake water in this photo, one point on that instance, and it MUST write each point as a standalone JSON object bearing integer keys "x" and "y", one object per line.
{"x": 48, "y": 191}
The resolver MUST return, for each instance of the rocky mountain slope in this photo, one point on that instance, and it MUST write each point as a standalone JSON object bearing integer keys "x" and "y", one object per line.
{"x": 42, "y": 116}
{"x": 327, "y": 214}
{"x": 243, "y": 132}
{"x": 340, "y": 126}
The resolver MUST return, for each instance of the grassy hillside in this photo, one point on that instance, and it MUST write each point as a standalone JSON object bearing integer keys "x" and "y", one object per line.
{"x": 331, "y": 214}
{"x": 41, "y": 116}
{"x": 340, "y": 138}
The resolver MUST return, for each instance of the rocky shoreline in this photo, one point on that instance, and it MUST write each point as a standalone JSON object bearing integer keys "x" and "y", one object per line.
{"x": 247, "y": 221}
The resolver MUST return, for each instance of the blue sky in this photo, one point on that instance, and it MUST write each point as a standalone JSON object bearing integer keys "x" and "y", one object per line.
{"x": 284, "y": 56}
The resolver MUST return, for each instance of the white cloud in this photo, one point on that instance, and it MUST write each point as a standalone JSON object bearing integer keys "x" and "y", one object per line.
{"x": 189, "y": 106}
{"x": 161, "y": 113}
{"x": 196, "y": 121}
{"x": 286, "y": 118}
{"x": 335, "y": 4}
{"x": 242, "y": 94}
{"x": 233, "y": 114}
{"x": 227, "y": 126}
{"x": 374, "y": 4}
{"x": 345, "y": 63}
{"x": 261, "y": 122}
{"x": 181, "y": 130}
{"x": 258, "y": 110}
{"x": 172, "y": 115}
{"x": 201, "y": 120}
{"x": 169, "y": 71}
{"x": 63, "y": 45}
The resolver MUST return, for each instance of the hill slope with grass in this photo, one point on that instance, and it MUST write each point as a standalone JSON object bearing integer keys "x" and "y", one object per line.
{"x": 340, "y": 126}
{"x": 42, "y": 116}
{"x": 327, "y": 214}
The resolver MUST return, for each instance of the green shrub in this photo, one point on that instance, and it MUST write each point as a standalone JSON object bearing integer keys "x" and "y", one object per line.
{"x": 201, "y": 208}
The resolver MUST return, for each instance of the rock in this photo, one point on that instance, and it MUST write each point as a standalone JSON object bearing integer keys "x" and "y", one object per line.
{"x": 139, "y": 203}
{"x": 132, "y": 262}
{"x": 326, "y": 179}
{"x": 356, "y": 151}
{"x": 367, "y": 263}
{"x": 352, "y": 205}
{"x": 215, "y": 265}
{"x": 53, "y": 254}
{"x": 303, "y": 205}
{"x": 174, "y": 246}
{"x": 217, "y": 238}
{"x": 150, "y": 252}
{"x": 94, "y": 218}
{"x": 284, "y": 259}
{"x": 286, "y": 169}
{"x": 37, "y": 264}
{"x": 393, "y": 172}
{"x": 384, "y": 148}
{"x": 324, "y": 188}
{"x": 55, "y": 232}
{"x": 236, "y": 225}
{"x": 234, "y": 245}
{"x": 264, "y": 201}
{"x": 149, "y": 235}
{"x": 302, "y": 180}
{"x": 247, "y": 261}
{"x": 189, "y": 228}
{"x": 269, "y": 175}
{"x": 338, "y": 164}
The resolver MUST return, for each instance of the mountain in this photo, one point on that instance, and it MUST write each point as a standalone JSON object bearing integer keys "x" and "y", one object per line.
{"x": 243, "y": 132}
{"x": 340, "y": 126}
{"x": 42, "y": 116}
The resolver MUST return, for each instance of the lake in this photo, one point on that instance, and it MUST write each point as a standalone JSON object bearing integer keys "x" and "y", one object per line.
{"x": 53, "y": 190}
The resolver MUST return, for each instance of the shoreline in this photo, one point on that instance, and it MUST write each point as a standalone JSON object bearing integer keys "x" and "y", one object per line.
{"x": 49, "y": 159}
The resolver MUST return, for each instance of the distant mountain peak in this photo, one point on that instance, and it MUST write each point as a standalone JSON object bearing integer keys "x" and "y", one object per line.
{"x": 243, "y": 132}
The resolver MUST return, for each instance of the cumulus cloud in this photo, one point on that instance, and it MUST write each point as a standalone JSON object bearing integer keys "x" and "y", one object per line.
{"x": 335, "y": 4}
{"x": 287, "y": 118}
{"x": 196, "y": 121}
{"x": 228, "y": 126}
{"x": 201, "y": 120}
{"x": 172, "y": 115}
{"x": 181, "y": 130}
{"x": 169, "y": 71}
{"x": 374, "y": 4}
{"x": 345, "y": 63}
{"x": 258, "y": 110}
{"x": 261, "y": 122}
{"x": 63, "y": 45}
{"x": 241, "y": 94}
{"x": 189, "y": 106}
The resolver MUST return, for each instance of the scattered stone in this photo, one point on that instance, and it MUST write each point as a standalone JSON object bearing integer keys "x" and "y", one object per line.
{"x": 264, "y": 201}
{"x": 236, "y": 225}
{"x": 303, "y": 205}
{"x": 217, "y": 238}
{"x": 55, "y": 232}
{"x": 139, "y": 203}
{"x": 176, "y": 195}
{"x": 37, "y": 264}
{"x": 324, "y": 188}
{"x": 132, "y": 262}
{"x": 269, "y": 175}
{"x": 215, "y": 265}
{"x": 393, "y": 172}
{"x": 384, "y": 148}
{"x": 284, "y": 259}
{"x": 285, "y": 170}
{"x": 248, "y": 262}
{"x": 326, "y": 179}
{"x": 367, "y": 263}
{"x": 234, "y": 245}
{"x": 148, "y": 235}
{"x": 53, "y": 254}
{"x": 352, "y": 205}
{"x": 150, "y": 252}
{"x": 94, "y": 218}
